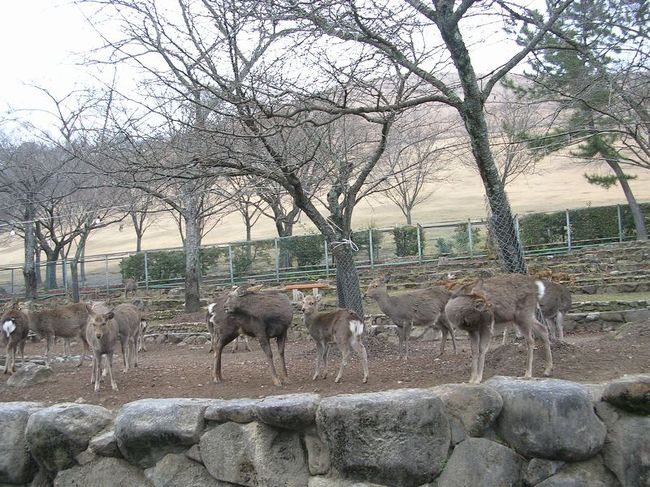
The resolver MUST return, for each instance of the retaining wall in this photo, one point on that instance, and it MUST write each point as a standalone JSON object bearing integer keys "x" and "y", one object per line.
{"x": 505, "y": 432}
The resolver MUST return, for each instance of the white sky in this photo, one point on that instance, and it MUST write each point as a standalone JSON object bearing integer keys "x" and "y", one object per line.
{"x": 43, "y": 42}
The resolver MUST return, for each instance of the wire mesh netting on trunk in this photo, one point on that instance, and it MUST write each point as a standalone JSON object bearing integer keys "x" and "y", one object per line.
{"x": 504, "y": 234}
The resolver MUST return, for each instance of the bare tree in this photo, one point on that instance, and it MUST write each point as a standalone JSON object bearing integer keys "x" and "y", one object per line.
{"x": 413, "y": 162}
{"x": 143, "y": 211}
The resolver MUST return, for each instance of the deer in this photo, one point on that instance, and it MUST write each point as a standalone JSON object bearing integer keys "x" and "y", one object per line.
{"x": 264, "y": 315}
{"x": 144, "y": 325}
{"x": 102, "y": 332}
{"x": 424, "y": 307}
{"x": 63, "y": 321}
{"x": 342, "y": 326}
{"x": 473, "y": 314}
{"x": 215, "y": 315}
{"x": 554, "y": 306}
{"x": 130, "y": 285}
{"x": 15, "y": 327}
{"x": 514, "y": 298}
{"x": 129, "y": 321}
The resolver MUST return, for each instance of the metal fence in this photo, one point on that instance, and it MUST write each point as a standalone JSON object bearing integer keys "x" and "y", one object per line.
{"x": 307, "y": 257}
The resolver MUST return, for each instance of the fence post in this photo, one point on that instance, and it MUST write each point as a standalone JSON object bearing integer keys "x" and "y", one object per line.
{"x": 106, "y": 273}
{"x": 371, "y": 249}
{"x": 419, "y": 236}
{"x": 64, "y": 275}
{"x": 327, "y": 259}
{"x": 277, "y": 260}
{"x": 568, "y": 231}
{"x": 146, "y": 271}
{"x": 470, "y": 239}
{"x": 620, "y": 223}
{"x": 232, "y": 272}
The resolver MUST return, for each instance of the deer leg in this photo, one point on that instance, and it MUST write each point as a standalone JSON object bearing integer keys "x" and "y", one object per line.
{"x": 505, "y": 335}
{"x": 559, "y": 325}
{"x": 216, "y": 367}
{"x": 361, "y": 350}
{"x": 49, "y": 341}
{"x": 474, "y": 344}
{"x": 406, "y": 331}
{"x": 319, "y": 359}
{"x": 266, "y": 347}
{"x": 548, "y": 356}
{"x": 109, "y": 367}
{"x": 22, "y": 351}
{"x": 248, "y": 347}
{"x": 85, "y": 347}
{"x": 345, "y": 353}
{"x": 97, "y": 370}
{"x": 326, "y": 352}
{"x": 485, "y": 336}
{"x": 282, "y": 341}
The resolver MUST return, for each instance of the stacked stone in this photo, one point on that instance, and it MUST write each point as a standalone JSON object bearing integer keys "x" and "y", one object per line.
{"x": 506, "y": 432}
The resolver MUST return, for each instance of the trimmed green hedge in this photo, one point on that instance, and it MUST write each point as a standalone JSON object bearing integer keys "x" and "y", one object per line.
{"x": 406, "y": 241}
{"x": 588, "y": 225}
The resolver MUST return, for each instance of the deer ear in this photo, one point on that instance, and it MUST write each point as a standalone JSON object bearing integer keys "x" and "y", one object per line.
{"x": 317, "y": 297}
{"x": 89, "y": 308}
{"x": 110, "y": 315}
{"x": 387, "y": 277}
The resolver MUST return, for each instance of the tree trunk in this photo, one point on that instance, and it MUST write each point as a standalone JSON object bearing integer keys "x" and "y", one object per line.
{"x": 347, "y": 279}
{"x": 471, "y": 110}
{"x": 29, "y": 267}
{"x": 74, "y": 281}
{"x": 37, "y": 263}
{"x": 192, "y": 257}
{"x": 50, "y": 269}
{"x": 635, "y": 209}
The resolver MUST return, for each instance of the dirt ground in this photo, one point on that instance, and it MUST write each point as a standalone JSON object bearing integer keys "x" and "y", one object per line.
{"x": 168, "y": 370}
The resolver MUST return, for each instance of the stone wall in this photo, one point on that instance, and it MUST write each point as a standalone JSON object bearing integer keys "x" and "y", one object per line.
{"x": 506, "y": 432}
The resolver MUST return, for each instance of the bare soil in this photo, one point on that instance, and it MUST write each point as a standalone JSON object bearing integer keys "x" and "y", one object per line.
{"x": 182, "y": 370}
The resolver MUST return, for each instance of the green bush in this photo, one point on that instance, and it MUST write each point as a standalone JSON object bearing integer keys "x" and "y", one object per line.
{"x": 362, "y": 240}
{"x": 588, "y": 225}
{"x": 461, "y": 240}
{"x": 308, "y": 250}
{"x": 444, "y": 246}
{"x": 406, "y": 241}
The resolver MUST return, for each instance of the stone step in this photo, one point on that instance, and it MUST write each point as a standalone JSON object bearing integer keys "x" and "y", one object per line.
{"x": 601, "y": 306}
{"x": 604, "y": 320}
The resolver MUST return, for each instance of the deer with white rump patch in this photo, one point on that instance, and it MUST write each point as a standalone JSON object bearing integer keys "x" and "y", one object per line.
{"x": 15, "y": 327}
{"x": 342, "y": 326}
{"x": 514, "y": 298}
{"x": 424, "y": 307}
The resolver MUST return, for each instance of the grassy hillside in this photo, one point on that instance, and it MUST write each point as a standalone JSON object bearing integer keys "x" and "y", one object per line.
{"x": 559, "y": 184}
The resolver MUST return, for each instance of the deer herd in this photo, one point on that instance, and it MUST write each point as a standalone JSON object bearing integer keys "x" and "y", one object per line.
{"x": 476, "y": 307}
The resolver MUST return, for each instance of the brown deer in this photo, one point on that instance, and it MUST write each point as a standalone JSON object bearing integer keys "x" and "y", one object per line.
{"x": 473, "y": 313}
{"x": 128, "y": 319}
{"x": 102, "y": 332}
{"x": 264, "y": 315}
{"x": 15, "y": 327}
{"x": 215, "y": 315}
{"x": 342, "y": 326}
{"x": 130, "y": 286}
{"x": 423, "y": 307}
{"x": 555, "y": 304}
{"x": 514, "y": 298}
{"x": 63, "y": 321}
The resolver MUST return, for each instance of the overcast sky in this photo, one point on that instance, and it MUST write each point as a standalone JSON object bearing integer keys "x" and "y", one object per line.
{"x": 44, "y": 40}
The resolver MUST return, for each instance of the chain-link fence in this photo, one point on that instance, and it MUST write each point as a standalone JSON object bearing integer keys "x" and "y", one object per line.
{"x": 307, "y": 257}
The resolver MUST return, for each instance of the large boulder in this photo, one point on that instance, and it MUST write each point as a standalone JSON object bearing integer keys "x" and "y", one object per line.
{"x": 552, "y": 419}
{"x": 30, "y": 375}
{"x": 627, "y": 447}
{"x": 254, "y": 454}
{"x": 398, "y": 438}
{"x": 176, "y": 470}
{"x": 477, "y": 461}
{"x": 291, "y": 411}
{"x": 475, "y": 406}
{"x": 147, "y": 430}
{"x": 631, "y": 393}
{"x": 102, "y": 472}
{"x": 105, "y": 445}
{"x": 236, "y": 410}
{"x": 16, "y": 464}
{"x": 590, "y": 473}
{"x": 57, "y": 434}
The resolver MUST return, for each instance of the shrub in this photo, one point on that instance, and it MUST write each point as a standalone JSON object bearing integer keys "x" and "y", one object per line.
{"x": 308, "y": 250}
{"x": 362, "y": 240}
{"x": 406, "y": 241}
{"x": 461, "y": 239}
